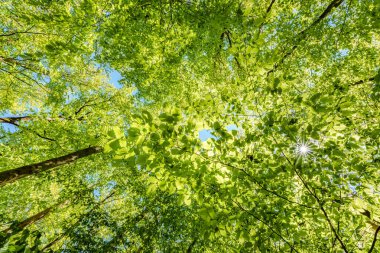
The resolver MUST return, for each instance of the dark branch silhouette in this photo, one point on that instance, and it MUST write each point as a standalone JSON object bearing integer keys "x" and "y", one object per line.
{"x": 374, "y": 240}
{"x": 302, "y": 35}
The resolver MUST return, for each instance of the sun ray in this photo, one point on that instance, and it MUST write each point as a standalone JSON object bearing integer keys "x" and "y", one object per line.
{"x": 303, "y": 148}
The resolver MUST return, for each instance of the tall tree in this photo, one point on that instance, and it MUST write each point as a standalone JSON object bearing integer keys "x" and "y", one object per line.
{"x": 247, "y": 126}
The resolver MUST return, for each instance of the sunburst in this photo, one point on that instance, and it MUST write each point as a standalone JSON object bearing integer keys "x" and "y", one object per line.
{"x": 303, "y": 149}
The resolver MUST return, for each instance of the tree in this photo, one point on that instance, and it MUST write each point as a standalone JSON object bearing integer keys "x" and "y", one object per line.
{"x": 287, "y": 92}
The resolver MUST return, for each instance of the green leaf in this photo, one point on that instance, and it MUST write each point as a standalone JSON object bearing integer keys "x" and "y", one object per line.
{"x": 187, "y": 200}
{"x": 115, "y": 133}
{"x": 115, "y": 145}
{"x": 176, "y": 151}
{"x": 133, "y": 132}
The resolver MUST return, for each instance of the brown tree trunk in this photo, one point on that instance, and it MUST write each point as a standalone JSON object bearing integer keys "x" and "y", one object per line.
{"x": 14, "y": 229}
{"x": 12, "y": 175}
{"x": 19, "y": 226}
{"x": 30, "y": 220}
{"x": 49, "y": 245}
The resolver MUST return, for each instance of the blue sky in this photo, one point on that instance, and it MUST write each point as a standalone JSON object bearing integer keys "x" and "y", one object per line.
{"x": 205, "y": 134}
{"x": 8, "y": 127}
{"x": 115, "y": 77}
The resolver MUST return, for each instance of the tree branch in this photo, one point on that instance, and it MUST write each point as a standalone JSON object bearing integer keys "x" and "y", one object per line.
{"x": 322, "y": 209}
{"x": 333, "y": 4}
{"x": 270, "y": 227}
{"x": 374, "y": 240}
{"x": 15, "y": 119}
{"x": 27, "y": 31}
{"x": 264, "y": 188}
{"x": 303, "y": 33}
{"x": 362, "y": 81}
{"x": 265, "y": 15}
{"x": 65, "y": 233}
{"x": 12, "y": 120}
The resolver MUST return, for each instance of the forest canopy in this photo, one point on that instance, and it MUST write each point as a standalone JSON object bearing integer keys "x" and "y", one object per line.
{"x": 189, "y": 126}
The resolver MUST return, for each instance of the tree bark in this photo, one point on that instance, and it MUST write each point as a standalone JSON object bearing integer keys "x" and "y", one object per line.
{"x": 49, "y": 245}
{"x": 12, "y": 120}
{"x": 30, "y": 220}
{"x": 14, "y": 229}
{"x": 12, "y": 175}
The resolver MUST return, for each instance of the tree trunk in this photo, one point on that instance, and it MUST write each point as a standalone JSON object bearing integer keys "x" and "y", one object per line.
{"x": 49, "y": 245}
{"x": 12, "y": 175}
{"x": 15, "y": 228}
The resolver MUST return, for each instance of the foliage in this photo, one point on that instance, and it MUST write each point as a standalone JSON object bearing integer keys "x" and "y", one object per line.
{"x": 289, "y": 93}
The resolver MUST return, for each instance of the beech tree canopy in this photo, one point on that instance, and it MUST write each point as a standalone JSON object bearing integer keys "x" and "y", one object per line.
{"x": 189, "y": 126}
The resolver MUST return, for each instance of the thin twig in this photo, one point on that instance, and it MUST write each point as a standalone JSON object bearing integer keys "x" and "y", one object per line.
{"x": 270, "y": 227}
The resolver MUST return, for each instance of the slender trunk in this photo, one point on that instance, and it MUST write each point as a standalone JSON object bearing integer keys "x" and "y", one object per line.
{"x": 28, "y": 221}
{"x": 65, "y": 233}
{"x": 12, "y": 175}
{"x": 19, "y": 226}
{"x": 15, "y": 228}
